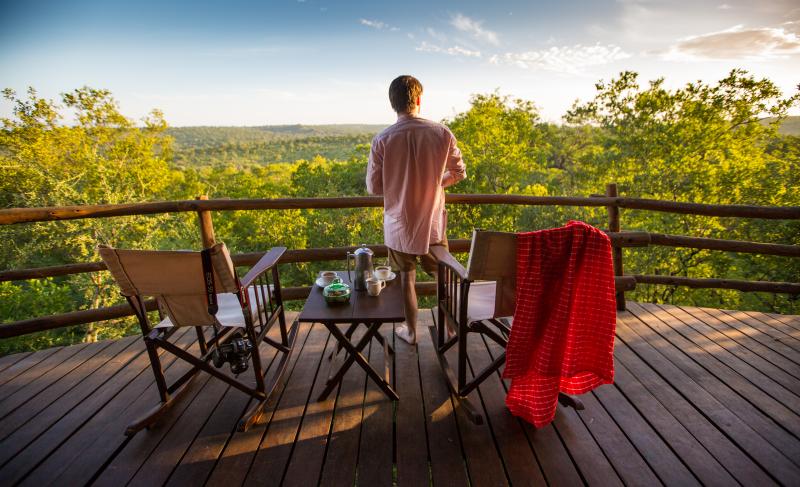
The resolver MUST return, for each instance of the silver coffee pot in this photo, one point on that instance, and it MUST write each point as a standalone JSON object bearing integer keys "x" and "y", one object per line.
{"x": 362, "y": 259}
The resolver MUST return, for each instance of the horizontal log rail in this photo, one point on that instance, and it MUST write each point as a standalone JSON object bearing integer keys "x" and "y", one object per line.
{"x": 83, "y": 317}
{"x": 203, "y": 207}
{"x": 621, "y": 239}
{"x": 54, "y": 213}
{"x": 739, "y": 285}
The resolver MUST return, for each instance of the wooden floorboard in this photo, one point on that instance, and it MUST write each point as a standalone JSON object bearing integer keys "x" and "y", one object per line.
{"x": 376, "y": 450}
{"x": 276, "y": 447}
{"x": 701, "y": 396}
{"x": 305, "y": 465}
{"x": 234, "y": 463}
{"x": 734, "y": 393}
{"x": 7, "y": 361}
{"x": 713, "y": 340}
{"x": 732, "y": 372}
{"x": 746, "y": 340}
{"x": 89, "y": 436}
{"x": 341, "y": 456}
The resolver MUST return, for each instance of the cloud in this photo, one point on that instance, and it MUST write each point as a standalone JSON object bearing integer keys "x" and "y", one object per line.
{"x": 724, "y": 6}
{"x": 738, "y": 42}
{"x": 563, "y": 59}
{"x": 474, "y": 28}
{"x": 436, "y": 35}
{"x": 452, "y": 51}
{"x": 375, "y": 24}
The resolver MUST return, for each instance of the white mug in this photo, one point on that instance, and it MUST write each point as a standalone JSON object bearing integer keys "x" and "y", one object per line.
{"x": 375, "y": 286}
{"x": 327, "y": 277}
{"x": 382, "y": 272}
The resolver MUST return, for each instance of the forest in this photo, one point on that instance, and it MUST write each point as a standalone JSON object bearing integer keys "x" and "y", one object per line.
{"x": 727, "y": 142}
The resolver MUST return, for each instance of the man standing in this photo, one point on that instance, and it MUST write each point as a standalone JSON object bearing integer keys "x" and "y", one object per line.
{"x": 410, "y": 164}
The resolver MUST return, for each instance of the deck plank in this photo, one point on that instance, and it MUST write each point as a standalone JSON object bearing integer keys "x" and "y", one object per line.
{"x": 484, "y": 465}
{"x": 377, "y": 431}
{"x": 553, "y": 457}
{"x": 747, "y": 341}
{"x": 726, "y": 452}
{"x": 276, "y": 447}
{"x": 702, "y": 464}
{"x": 26, "y": 424}
{"x": 89, "y": 436}
{"x": 664, "y": 462}
{"x": 341, "y": 457}
{"x": 234, "y": 463}
{"x": 728, "y": 369}
{"x": 31, "y": 377}
{"x": 444, "y": 442}
{"x": 7, "y": 361}
{"x": 411, "y": 442}
{"x": 595, "y": 468}
{"x": 627, "y": 461}
{"x": 766, "y": 324}
{"x": 305, "y": 466}
{"x": 61, "y": 392}
{"x": 27, "y": 362}
{"x": 701, "y": 396}
{"x": 710, "y": 339}
{"x": 786, "y": 320}
{"x": 743, "y": 429}
{"x": 200, "y": 458}
{"x": 519, "y": 461}
{"x": 760, "y": 332}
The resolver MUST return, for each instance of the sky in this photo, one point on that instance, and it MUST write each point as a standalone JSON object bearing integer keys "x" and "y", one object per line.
{"x": 324, "y": 61}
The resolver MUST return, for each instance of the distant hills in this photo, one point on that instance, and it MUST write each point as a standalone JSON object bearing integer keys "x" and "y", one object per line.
{"x": 206, "y": 137}
{"x": 791, "y": 126}
{"x": 242, "y": 146}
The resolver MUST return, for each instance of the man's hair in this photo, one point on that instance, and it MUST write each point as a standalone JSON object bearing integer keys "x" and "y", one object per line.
{"x": 403, "y": 93}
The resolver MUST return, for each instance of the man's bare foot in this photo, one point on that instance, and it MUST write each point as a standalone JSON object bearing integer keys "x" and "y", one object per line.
{"x": 404, "y": 332}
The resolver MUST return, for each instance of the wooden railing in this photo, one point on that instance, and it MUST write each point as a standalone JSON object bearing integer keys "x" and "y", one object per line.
{"x": 203, "y": 207}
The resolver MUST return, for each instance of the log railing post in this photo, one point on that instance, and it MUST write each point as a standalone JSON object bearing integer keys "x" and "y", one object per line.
{"x": 206, "y": 226}
{"x": 616, "y": 252}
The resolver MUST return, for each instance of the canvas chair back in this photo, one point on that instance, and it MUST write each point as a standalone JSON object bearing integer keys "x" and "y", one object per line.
{"x": 493, "y": 257}
{"x": 174, "y": 278}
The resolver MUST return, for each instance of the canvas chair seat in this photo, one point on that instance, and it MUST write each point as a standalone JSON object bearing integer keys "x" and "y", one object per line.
{"x": 230, "y": 311}
{"x": 481, "y": 300}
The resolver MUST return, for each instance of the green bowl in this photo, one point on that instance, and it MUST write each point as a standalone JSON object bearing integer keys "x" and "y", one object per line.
{"x": 336, "y": 292}
{"x": 337, "y": 299}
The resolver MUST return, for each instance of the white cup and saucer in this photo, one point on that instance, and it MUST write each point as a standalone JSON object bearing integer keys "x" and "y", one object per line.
{"x": 384, "y": 273}
{"x": 325, "y": 278}
{"x": 375, "y": 286}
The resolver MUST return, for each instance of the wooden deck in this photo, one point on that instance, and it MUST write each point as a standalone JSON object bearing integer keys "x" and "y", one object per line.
{"x": 702, "y": 396}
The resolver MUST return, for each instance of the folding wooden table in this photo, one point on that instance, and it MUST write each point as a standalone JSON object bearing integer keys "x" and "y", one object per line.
{"x": 363, "y": 309}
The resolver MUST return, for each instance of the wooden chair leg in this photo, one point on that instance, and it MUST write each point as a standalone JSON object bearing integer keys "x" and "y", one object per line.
{"x": 155, "y": 364}
{"x": 464, "y": 402}
{"x": 276, "y": 384}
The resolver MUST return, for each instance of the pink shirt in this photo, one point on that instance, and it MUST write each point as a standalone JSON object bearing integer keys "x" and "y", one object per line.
{"x": 410, "y": 164}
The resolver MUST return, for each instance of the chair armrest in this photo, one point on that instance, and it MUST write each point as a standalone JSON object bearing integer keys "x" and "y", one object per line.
{"x": 265, "y": 263}
{"x": 443, "y": 256}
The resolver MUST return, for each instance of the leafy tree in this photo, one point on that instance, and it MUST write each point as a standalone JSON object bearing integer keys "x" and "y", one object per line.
{"x": 701, "y": 143}
{"x": 101, "y": 158}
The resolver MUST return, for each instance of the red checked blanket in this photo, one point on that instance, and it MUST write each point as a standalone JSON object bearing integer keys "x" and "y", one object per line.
{"x": 562, "y": 338}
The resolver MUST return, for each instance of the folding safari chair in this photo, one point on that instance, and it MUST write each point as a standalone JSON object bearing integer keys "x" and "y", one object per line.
{"x": 201, "y": 289}
{"x": 479, "y": 299}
